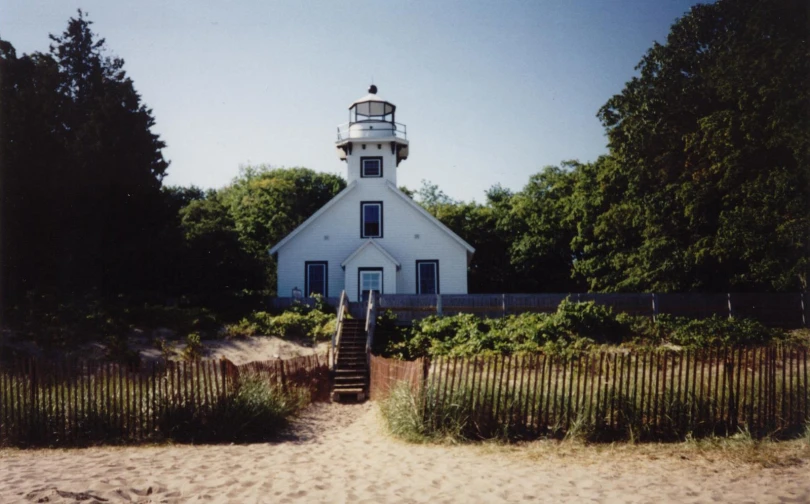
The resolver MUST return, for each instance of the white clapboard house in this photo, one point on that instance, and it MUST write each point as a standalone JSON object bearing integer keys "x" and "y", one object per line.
{"x": 371, "y": 236}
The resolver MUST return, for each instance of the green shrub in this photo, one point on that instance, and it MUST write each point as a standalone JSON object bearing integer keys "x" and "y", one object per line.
{"x": 403, "y": 414}
{"x": 721, "y": 331}
{"x": 573, "y": 327}
{"x": 310, "y": 324}
{"x": 255, "y": 411}
{"x": 586, "y": 320}
{"x": 194, "y": 348}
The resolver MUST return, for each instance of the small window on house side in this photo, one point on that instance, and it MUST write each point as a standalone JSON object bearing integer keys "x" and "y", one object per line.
{"x": 371, "y": 167}
{"x": 316, "y": 278}
{"x": 371, "y": 219}
{"x": 427, "y": 277}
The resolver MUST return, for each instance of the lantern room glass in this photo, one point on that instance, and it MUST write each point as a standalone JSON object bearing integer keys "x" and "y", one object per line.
{"x": 372, "y": 111}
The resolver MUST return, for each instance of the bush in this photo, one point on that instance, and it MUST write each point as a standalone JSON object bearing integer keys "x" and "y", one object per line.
{"x": 194, "y": 348}
{"x": 255, "y": 413}
{"x": 106, "y": 414}
{"x": 573, "y": 327}
{"x": 311, "y": 324}
{"x": 722, "y": 331}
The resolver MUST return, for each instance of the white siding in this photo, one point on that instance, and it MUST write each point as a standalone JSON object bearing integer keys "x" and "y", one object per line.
{"x": 336, "y": 234}
{"x": 370, "y": 257}
{"x": 373, "y": 149}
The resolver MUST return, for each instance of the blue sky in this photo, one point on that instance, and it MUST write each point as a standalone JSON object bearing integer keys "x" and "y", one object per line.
{"x": 490, "y": 91}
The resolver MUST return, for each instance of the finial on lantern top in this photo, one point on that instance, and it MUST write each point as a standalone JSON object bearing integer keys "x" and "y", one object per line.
{"x": 372, "y": 89}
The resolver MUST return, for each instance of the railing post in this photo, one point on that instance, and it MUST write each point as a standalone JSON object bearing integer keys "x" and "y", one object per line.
{"x": 654, "y": 308}
{"x": 804, "y": 309}
{"x": 438, "y": 304}
{"x": 730, "y": 311}
{"x": 371, "y": 323}
{"x": 342, "y": 306}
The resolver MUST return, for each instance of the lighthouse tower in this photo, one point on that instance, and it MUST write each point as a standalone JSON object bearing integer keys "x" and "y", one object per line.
{"x": 372, "y": 143}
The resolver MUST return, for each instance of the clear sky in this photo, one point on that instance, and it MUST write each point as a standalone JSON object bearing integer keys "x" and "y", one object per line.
{"x": 490, "y": 91}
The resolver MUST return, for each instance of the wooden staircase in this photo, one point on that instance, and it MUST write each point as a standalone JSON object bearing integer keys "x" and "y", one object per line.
{"x": 351, "y": 367}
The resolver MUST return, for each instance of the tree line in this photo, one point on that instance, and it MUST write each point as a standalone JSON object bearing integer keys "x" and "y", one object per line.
{"x": 706, "y": 186}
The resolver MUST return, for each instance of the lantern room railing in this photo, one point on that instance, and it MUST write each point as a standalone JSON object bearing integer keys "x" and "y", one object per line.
{"x": 371, "y": 129}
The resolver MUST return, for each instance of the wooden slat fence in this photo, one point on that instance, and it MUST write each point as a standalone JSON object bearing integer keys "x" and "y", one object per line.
{"x": 385, "y": 373}
{"x": 77, "y": 402}
{"x": 788, "y": 310}
{"x": 655, "y": 394}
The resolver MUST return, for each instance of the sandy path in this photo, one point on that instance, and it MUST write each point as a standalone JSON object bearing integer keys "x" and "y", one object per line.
{"x": 336, "y": 453}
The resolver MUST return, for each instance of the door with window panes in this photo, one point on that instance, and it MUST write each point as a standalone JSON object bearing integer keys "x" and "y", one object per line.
{"x": 369, "y": 279}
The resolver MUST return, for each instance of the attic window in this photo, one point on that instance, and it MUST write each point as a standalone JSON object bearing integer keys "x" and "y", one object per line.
{"x": 371, "y": 219}
{"x": 371, "y": 167}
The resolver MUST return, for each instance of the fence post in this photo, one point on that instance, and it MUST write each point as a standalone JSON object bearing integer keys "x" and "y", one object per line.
{"x": 730, "y": 311}
{"x": 804, "y": 309}
{"x": 654, "y": 308}
{"x": 438, "y": 304}
{"x": 503, "y": 304}
{"x": 284, "y": 375}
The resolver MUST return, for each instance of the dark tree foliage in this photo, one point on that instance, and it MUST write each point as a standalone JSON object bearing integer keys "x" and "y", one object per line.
{"x": 708, "y": 187}
{"x": 266, "y": 204}
{"x": 82, "y": 170}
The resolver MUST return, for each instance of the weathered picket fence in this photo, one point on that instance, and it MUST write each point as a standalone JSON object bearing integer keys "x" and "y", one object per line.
{"x": 655, "y": 394}
{"x": 75, "y": 401}
{"x": 776, "y": 309}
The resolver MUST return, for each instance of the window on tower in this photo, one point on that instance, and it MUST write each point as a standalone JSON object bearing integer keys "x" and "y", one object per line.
{"x": 371, "y": 219}
{"x": 371, "y": 167}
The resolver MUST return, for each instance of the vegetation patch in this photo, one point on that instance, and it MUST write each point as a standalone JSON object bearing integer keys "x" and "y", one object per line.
{"x": 300, "y": 322}
{"x": 573, "y": 327}
{"x": 117, "y": 409}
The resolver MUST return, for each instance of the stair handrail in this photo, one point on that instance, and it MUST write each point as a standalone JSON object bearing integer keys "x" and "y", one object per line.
{"x": 341, "y": 315}
{"x": 371, "y": 322}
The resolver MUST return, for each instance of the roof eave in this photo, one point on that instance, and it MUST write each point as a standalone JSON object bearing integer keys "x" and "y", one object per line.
{"x": 469, "y": 248}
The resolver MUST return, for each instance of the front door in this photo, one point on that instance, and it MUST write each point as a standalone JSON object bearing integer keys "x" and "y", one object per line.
{"x": 369, "y": 279}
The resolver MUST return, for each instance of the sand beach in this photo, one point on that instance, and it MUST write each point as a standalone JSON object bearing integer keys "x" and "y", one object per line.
{"x": 339, "y": 453}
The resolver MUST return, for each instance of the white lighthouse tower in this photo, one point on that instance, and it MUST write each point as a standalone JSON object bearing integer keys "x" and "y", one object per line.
{"x": 372, "y": 143}
{"x": 372, "y": 237}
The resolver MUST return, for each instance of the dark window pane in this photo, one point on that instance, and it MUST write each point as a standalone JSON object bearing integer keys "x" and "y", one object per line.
{"x": 371, "y": 167}
{"x": 317, "y": 279}
{"x": 427, "y": 278}
{"x": 371, "y": 220}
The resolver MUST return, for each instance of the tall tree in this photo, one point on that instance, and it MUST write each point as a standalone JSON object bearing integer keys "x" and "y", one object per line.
{"x": 82, "y": 172}
{"x": 266, "y": 204}
{"x": 710, "y": 182}
{"x": 540, "y": 224}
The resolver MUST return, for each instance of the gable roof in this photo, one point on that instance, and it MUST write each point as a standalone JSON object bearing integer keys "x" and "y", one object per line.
{"x": 416, "y": 206}
{"x": 370, "y": 243}
{"x": 312, "y": 218}
{"x": 342, "y": 194}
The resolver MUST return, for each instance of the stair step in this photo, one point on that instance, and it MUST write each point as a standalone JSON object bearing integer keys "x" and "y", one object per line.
{"x": 360, "y": 380}
{"x": 349, "y": 390}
